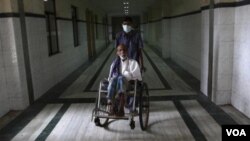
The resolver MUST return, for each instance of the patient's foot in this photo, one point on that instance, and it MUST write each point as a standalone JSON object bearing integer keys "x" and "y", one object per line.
{"x": 109, "y": 101}
{"x": 110, "y": 107}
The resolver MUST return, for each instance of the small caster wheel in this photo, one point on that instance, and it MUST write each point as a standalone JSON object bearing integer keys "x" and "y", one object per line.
{"x": 97, "y": 121}
{"x": 132, "y": 124}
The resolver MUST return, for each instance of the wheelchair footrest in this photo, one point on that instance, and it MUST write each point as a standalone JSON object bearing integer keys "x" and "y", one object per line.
{"x": 114, "y": 117}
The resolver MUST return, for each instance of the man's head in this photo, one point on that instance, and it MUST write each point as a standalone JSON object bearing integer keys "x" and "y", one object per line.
{"x": 121, "y": 51}
{"x": 127, "y": 21}
{"x": 127, "y": 24}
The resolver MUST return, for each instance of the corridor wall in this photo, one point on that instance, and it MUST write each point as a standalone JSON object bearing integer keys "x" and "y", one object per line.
{"x": 46, "y": 70}
{"x": 209, "y": 42}
{"x": 174, "y": 29}
{"x": 13, "y": 92}
{"x": 241, "y": 60}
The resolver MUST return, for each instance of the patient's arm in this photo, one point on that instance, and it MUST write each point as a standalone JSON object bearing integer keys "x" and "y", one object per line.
{"x": 135, "y": 70}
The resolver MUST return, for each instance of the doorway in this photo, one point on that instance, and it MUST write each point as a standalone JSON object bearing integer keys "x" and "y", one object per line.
{"x": 90, "y": 22}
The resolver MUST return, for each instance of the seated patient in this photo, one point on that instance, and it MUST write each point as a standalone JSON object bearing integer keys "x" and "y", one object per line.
{"x": 122, "y": 70}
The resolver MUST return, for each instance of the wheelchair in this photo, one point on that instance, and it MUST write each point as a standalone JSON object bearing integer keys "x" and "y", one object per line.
{"x": 138, "y": 90}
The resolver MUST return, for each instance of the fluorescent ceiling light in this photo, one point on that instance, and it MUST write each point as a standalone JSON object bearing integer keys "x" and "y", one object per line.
{"x": 125, "y": 3}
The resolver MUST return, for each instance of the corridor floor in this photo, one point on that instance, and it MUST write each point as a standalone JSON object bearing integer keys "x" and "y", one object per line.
{"x": 177, "y": 109}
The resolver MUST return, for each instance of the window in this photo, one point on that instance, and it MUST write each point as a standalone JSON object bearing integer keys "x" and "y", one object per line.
{"x": 104, "y": 28}
{"x": 75, "y": 25}
{"x": 51, "y": 26}
{"x": 96, "y": 26}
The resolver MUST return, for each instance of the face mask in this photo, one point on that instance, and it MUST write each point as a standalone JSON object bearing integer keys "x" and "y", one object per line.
{"x": 126, "y": 28}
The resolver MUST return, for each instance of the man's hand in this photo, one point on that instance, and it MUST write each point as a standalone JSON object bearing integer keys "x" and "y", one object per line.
{"x": 143, "y": 69}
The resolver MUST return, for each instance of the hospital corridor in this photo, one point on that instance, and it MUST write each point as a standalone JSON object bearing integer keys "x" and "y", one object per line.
{"x": 55, "y": 53}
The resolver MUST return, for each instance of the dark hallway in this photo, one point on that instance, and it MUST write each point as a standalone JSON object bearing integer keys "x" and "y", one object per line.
{"x": 54, "y": 54}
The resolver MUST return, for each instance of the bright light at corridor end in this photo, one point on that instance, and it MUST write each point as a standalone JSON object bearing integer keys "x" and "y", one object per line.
{"x": 126, "y": 7}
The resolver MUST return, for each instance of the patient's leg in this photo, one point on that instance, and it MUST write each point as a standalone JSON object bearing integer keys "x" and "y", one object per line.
{"x": 112, "y": 88}
{"x": 121, "y": 86}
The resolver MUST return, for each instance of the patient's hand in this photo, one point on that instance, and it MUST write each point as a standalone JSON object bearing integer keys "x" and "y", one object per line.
{"x": 106, "y": 79}
{"x": 128, "y": 75}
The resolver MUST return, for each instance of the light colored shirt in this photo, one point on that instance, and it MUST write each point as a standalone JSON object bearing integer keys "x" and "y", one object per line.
{"x": 130, "y": 69}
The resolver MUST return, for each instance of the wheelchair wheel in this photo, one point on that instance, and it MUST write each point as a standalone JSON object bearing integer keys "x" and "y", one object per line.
{"x": 101, "y": 121}
{"x": 101, "y": 111}
{"x": 144, "y": 107}
{"x": 132, "y": 124}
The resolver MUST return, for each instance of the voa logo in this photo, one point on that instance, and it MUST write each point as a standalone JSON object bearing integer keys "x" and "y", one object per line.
{"x": 236, "y": 132}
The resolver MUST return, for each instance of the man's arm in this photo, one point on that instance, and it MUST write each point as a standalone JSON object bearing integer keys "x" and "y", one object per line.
{"x": 141, "y": 61}
{"x": 117, "y": 38}
{"x": 141, "y": 58}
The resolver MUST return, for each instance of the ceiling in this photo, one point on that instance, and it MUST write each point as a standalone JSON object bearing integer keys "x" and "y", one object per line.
{"x": 116, "y": 7}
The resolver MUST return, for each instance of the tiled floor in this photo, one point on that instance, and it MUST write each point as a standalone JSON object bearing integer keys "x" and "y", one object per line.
{"x": 177, "y": 111}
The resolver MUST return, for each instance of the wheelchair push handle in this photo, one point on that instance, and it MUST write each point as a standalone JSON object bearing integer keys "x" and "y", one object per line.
{"x": 143, "y": 69}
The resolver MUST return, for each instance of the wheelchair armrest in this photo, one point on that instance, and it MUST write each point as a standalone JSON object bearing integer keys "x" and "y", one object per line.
{"x": 105, "y": 80}
{"x": 104, "y": 84}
